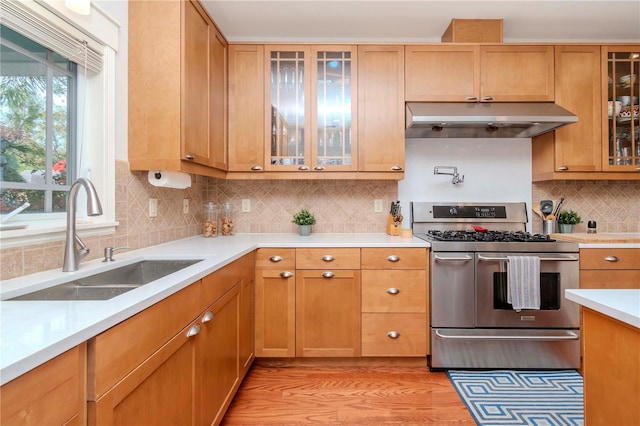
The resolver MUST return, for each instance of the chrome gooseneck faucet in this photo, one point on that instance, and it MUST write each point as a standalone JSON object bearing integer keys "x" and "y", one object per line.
{"x": 73, "y": 255}
{"x": 452, "y": 171}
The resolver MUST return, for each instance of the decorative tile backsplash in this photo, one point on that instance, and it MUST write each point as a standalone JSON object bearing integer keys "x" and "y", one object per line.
{"x": 614, "y": 205}
{"x": 340, "y": 206}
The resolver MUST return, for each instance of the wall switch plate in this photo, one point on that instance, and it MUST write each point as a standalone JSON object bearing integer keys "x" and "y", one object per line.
{"x": 246, "y": 205}
{"x": 377, "y": 206}
{"x": 153, "y": 207}
{"x": 185, "y": 206}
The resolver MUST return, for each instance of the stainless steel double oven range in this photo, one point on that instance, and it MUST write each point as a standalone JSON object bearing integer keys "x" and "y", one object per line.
{"x": 472, "y": 324}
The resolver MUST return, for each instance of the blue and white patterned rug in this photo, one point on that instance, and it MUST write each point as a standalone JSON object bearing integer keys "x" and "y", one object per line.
{"x": 505, "y": 397}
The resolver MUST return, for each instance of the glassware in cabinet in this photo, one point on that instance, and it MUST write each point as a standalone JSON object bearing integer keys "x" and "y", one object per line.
{"x": 623, "y": 110}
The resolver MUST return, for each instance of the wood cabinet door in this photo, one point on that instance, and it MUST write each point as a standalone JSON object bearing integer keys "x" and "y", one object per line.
{"x": 578, "y": 89}
{"x": 218, "y": 99}
{"x": 511, "y": 73}
{"x": 51, "y": 394}
{"x": 196, "y": 112}
{"x": 246, "y": 108}
{"x": 217, "y": 374}
{"x": 328, "y": 313}
{"x": 442, "y": 73}
{"x": 381, "y": 108}
{"x": 160, "y": 391}
{"x": 275, "y": 313}
{"x": 247, "y": 324}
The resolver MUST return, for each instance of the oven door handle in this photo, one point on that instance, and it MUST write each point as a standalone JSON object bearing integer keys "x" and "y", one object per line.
{"x": 567, "y": 335}
{"x": 542, "y": 259}
{"x": 436, "y": 257}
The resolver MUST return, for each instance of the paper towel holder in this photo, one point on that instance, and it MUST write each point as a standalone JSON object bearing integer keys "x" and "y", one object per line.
{"x": 169, "y": 179}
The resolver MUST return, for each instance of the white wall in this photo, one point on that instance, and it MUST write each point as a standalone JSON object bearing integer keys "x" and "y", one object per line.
{"x": 495, "y": 170}
{"x": 119, "y": 11}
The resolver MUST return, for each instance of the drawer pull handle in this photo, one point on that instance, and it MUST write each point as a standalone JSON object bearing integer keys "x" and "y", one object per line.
{"x": 208, "y": 316}
{"x": 256, "y": 168}
{"x": 396, "y": 167}
{"x": 189, "y": 156}
{"x": 562, "y": 168}
{"x": 286, "y": 274}
{"x": 611, "y": 258}
{"x": 328, "y": 274}
{"x": 393, "y": 334}
{"x": 275, "y": 259}
{"x": 487, "y": 98}
{"x": 393, "y": 258}
{"x": 193, "y": 330}
{"x": 393, "y": 290}
{"x": 471, "y": 98}
{"x": 328, "y": 258}
{"x": 303, "y": 168}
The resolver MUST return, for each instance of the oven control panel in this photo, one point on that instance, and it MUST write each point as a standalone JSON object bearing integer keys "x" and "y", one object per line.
{"x": 469, "y": 212}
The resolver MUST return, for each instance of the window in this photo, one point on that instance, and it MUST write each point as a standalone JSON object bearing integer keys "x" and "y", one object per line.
{"x": 60, "y": 68}
{"x": 37, "y": 122}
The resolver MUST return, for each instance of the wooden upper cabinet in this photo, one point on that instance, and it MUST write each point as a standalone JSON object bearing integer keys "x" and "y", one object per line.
{"x": 246, "y": 108}
{"x": 442, "y": 73}
{"x": 177, "y": 88}
{"x": 472, "y": 73}
{"x": 511, "y": 73}
{"x": 381, "y": 109}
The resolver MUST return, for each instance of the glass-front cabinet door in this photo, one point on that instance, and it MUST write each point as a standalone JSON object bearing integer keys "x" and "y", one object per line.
{"x": 622, "y": 153}
{"x": 310, "y": 113}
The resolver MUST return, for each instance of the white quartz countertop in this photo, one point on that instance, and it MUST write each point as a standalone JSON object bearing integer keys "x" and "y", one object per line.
{"x": 33, "y": 332}
{"x": 622, "y": 304}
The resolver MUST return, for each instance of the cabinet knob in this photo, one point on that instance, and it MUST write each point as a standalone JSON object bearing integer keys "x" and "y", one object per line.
{"x": 396, "y": 167}
{"x": 275, "y": 259}
{"x": 256, "y": 168}
{"x": 318, "y": 168}
{"x": 393, "y": 290}
{"x": 189, "y": 156}
{"x": 638, "y": 169}
{"x": 303, "y": 168}
{"x": 393, "y": 258}
{"x": 328, "y": 258}
{"x": 208, "y": 316}
{"x": 611, "y": 258}
{"x": 562, "y": 168}
{"x": 286, "y": 274}
{"x": 487, "y": 98}
{"x": 193, "y": 330}
{"x": 328, "y": 274}
{"x": 393, "y": 334}
{"x": 471, "y": 98}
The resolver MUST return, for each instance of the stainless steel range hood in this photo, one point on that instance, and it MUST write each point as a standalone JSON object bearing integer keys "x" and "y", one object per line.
{"x": 484, "y": 120}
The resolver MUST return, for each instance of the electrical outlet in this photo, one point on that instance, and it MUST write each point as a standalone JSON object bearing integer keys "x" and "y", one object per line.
{"x": 153, "y": 207}
{"x": 377, "y": 206}
{"x": 185, "y": 206}
{"x": 246, "y": 205}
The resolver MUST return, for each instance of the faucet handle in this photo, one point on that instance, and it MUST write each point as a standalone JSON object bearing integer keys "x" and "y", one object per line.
{"x": 108, "y": 252}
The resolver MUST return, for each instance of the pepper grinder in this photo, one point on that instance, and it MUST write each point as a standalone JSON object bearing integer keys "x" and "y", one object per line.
{"x": 591, "y": 227}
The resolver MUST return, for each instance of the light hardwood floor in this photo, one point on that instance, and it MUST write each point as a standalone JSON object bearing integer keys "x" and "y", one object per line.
{"x": 277, "y": 393}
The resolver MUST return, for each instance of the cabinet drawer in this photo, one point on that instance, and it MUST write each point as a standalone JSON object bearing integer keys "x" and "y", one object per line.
{"x": 276, "y": 258}
{"x": 394, "y": 291}
{"x": 377, "y": 332}
{"x": 117, "y": 351}
{"x": 394, "y": 258}
{"x": 627, "y": 278}
{"x": 610, "y": 258}
{"x": 219, "y": 282}
{"x": 328, "y": 258}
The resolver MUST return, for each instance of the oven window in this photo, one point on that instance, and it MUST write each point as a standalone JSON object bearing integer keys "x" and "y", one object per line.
{"x": 549, "y": 291}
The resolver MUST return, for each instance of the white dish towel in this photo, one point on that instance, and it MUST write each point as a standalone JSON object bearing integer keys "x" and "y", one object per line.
{"x": 523, "y": 282}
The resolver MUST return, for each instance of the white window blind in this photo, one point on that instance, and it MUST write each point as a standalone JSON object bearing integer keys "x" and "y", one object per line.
{"x": 39, "y": 24}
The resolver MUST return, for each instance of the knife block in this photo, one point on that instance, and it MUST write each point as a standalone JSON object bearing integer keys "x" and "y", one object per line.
{"x": 392, "y": 228}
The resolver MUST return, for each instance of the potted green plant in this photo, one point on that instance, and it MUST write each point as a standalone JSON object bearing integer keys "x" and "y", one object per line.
{"x": 567, "y": 219}
{"x": 304, "y": 219}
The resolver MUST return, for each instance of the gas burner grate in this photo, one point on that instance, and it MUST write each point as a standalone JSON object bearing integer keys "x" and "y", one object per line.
{"x": 489, "y": 236}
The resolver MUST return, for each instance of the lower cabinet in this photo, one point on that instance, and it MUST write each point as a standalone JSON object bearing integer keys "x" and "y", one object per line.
{"x": 50, "y": 394}
{"x": 138, "y": 375}
{"x": 610, "y": 268}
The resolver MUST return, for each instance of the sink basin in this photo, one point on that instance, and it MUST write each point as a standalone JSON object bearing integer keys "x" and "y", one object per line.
{"x": 108, "y": 284}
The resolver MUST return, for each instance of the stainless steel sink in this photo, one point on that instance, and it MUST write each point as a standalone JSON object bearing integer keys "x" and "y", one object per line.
{"x": 108, "y": 284}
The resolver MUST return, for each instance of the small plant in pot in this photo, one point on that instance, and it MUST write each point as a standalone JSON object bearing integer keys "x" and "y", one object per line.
{"x": 567, "y": 219}
{"x": 304, "y": 219}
